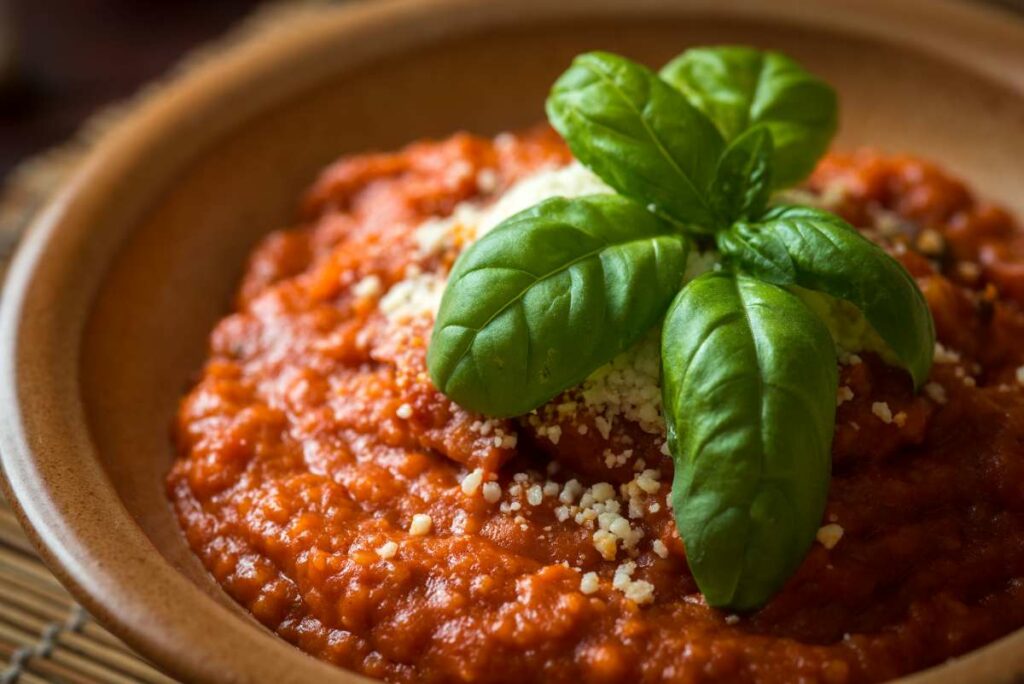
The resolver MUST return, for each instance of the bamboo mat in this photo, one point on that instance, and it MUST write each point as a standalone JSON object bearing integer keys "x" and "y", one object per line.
{"x": 44, "y": 635}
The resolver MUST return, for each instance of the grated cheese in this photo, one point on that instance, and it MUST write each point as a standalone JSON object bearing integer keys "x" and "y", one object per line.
{"x": 387, "y": 550}
{"x": 471, "y": 483}
{"x": 829, "y": 535}
{"x": 937, "y": 392}
{"x": 420, "y": 525}
{"x": 882, "y": 410}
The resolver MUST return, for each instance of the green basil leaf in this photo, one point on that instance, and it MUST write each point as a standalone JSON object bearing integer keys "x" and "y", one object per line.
{"x": 743, "y": 179}
{"x": 816, "y": 250}
{"x": 740, "y": 87}
{"x": 638, "y": 134}
{"x": 547, "y": 297}
{"x": 749, "y": 380}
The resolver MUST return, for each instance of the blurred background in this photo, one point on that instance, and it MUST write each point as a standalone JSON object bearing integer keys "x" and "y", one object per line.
{"x": 61, "y": 60}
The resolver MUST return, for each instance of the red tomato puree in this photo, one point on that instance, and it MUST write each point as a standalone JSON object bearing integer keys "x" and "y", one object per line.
{"x": 362, "y": 516}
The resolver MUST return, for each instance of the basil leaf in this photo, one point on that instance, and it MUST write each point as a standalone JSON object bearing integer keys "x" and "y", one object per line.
{"x": 547, "y": 297}
{"x": 740, "y": 87}
{"x": 816, "y": 250}
{"x": 749, "y": 380}
{"x": 638, "y": 134}
{"x": 743, "y": 179}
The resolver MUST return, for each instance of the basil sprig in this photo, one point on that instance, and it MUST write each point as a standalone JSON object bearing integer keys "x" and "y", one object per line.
{"x": 749, "y": 374}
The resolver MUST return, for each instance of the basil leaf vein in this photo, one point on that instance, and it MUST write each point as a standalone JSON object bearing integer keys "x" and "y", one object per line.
{"x": 816, "y": 250}
{"x": 743, "y": 178}
{"x": 638, "y": 135}
{"x": 547, "y": 297}
{"x": 740, "y": 87}
{"x": 749, "y": 381}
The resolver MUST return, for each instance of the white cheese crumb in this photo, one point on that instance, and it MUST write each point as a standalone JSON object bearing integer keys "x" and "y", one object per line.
{"x": 387, "y": 550}
{"x": 420, "y": 525}
{"x": 659, "y": 548}
{"x": 589, "y": 583}
{"x": 882, "y": 410}
{"x": 640, "y": 591}
{"x": 848, "y": 359}
{"x": 945, "y": 355}
{"x": 368, "y": 287}
{"x": 937, "y": 392}
{"x": 554, "y": 433}
{"x": 605, "y": 543}
{"x": 648, "y": 481}
{"x": 623, "y": 575}
{"x": 570, "y": 492}
{"x": 472, "y": 482}
{"x": 829, "y": 535}
{"x": 629, "y": 387}
{"x": 843, "y": 395}
{"x": 487, "y": 180}
{"x": 602, "y": 491}
{"x": 535, "y": 495}
{"x": 415, "y": 296}
{"x": 404, "y": 412}
{"x": 732, "y": 619}
{"x": 573, "y": 180}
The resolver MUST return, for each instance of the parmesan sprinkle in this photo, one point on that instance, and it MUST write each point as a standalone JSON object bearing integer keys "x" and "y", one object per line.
{"x": 492, "y": 492}
{"x": 937, "y": 392}
{"x": 639, "y": 591}
{"x": 882, "y": 410}
{"x": 368, "y": 287}
{"x": 589, "y": 583}
{"x": 945, "y": 355}
{"x": 387, "y": 550}
{"x": 659, "y": 548}
{"x": 829, "y": 535}
{"x": 843, "y": 395}
{"x": 420, "y": 525}
{"x": 472, "y": 482}
{"x": 418, "y": 295}
{"x": 404, "y": 412}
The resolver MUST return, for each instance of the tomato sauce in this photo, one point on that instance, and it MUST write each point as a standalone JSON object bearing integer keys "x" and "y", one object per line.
{"x": 362, "y": 516}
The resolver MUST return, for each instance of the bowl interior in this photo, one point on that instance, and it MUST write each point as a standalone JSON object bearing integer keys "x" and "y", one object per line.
{"x": 174, "y": 275}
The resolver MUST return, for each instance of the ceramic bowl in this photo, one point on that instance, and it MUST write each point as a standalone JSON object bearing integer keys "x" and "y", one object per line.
{"x": 108, "y": 306}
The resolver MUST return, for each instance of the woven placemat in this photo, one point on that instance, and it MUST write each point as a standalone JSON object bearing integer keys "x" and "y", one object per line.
{"x": 45, "y": 636}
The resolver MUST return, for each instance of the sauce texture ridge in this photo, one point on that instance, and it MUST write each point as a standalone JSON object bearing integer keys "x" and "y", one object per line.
{"x": 364, "y": 517}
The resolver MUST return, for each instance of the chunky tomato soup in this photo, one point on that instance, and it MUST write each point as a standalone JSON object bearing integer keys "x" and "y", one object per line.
{"x": 361, "y": 515}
